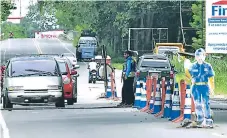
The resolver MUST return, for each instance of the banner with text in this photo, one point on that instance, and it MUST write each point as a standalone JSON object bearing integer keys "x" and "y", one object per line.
{"x": 216, "y": 26}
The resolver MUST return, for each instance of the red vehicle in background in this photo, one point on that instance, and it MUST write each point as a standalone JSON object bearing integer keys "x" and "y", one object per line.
{"x": 2, "y": 74}
{"x": 70, "y": 94}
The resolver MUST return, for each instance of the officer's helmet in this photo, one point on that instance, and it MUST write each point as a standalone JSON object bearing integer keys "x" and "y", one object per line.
{"x": 200, "y": 52}
{"x": 200, "y": 55}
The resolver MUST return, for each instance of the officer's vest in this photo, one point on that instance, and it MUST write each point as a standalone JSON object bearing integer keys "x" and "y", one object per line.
{"x": 133, "y": 68}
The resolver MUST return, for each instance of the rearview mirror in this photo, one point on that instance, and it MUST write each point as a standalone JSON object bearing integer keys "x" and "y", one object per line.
{"x": 76, "y": 66}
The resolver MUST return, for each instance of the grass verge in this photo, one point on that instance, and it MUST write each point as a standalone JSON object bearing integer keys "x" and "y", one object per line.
{"x": 118, "y": 66}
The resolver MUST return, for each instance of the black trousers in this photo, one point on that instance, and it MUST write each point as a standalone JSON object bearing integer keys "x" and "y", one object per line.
{"x": 127, "y": 91}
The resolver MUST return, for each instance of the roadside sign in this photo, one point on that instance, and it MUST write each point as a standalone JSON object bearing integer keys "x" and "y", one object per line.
{"x": 216, "y": 24}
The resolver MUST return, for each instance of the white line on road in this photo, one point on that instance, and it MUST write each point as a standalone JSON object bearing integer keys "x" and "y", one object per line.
{"x": 63, "y": 45}
{"x": 37, "y": 46}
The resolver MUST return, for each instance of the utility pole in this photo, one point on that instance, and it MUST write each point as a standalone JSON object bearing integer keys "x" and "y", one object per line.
{"x": 20, "y": 8}
{"x": 202, "y": 37}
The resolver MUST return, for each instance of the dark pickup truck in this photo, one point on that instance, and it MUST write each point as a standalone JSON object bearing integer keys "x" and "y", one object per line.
{"x": 155, "y": 62}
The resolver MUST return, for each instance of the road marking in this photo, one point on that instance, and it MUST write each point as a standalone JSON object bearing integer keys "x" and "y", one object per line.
{"x": 63, "y": 45}
{"x": 37, "y": 46}
{"x": 219, "y": 135}
{"x": 3, "y": 124}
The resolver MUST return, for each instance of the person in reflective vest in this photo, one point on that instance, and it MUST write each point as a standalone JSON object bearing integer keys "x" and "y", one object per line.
{"x": 128, "y": 77}
{"x": 202, "y": 76}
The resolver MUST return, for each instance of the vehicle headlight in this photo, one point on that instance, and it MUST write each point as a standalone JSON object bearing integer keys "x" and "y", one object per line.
{"x": 54, "y": 87}
{"x": 15, "y": 88}
{"x": 66, "y": 80}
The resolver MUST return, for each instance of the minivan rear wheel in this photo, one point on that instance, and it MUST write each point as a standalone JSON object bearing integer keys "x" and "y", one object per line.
{"x": 60, "y": 103}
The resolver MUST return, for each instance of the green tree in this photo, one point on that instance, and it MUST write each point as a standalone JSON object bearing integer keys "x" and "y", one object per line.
{"x": 6, "y": 6}
{"x": 199, "y": 40}
{"x": 17, "y": 30}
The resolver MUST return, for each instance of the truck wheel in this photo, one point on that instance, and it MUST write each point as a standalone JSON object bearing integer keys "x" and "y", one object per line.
{"x": 70, "y": 101}
{"x": 60, "y": 103}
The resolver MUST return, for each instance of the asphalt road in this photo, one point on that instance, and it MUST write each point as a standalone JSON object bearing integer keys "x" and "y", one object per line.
{"x": 48, "y": 122}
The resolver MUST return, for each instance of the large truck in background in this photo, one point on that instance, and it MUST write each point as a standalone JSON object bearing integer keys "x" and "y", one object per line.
{"x": 87, "y": 46}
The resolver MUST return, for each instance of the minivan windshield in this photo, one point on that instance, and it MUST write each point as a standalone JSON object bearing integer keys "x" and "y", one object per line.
{"x": 34, "y": 67}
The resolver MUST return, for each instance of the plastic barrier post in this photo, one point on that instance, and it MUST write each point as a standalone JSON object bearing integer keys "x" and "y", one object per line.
{"x": 157, "y": 102}
{"x": 143, "y": 96}
{"x": 163, "y": 92}
{"x": 137, "y": 95}
{"x": 176, "y": 103}
{"x": 188, "y": 103}
{"x": 182, "y": 101}
{"x": 168, "y": 98}
{"x": 109, "y": 91}
{"x": 113, "y": 87}
{"x": 148, "y": 94}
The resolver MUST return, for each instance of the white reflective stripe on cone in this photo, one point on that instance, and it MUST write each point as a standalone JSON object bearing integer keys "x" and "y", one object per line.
{"x": 157, "y": 103}
{"x": 188, "y": 101}
{"x": 144, "y": 91}
{"x": 187, "y": 111}
{"x": 143, "y": 98}
{"x": 168, "y": 96}
{"x": 137, "y": 83}
{"x": 175, "y": 107}
{"x": 108, "y": 90}
{"x": 138, "y": 90}
{"x": 167, "y": 105}
{"x": 158, "y": 95}
{"x": 151, "y": 101}
{"x": 137, "y": 97}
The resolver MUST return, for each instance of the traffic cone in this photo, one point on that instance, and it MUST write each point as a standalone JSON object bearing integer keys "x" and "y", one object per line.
{"x": 176, "y": 103}
{"x": 168, "y": 102}
{"x": 188, "y": 103}
{"x": 158, "y": 100}
{"x": 137, "y": 95}
{"x": 143, "y": 100}
{"x": 108, "y": 92}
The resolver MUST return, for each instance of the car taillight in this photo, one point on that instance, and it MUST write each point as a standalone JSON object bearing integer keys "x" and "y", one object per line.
{"x": 171, "y": 74}
{"x": 137, "y": 74}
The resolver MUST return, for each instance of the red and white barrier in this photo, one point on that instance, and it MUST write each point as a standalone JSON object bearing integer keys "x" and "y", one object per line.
{"x": 48, "y": 34}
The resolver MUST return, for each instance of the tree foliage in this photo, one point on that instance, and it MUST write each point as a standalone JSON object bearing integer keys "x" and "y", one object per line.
{"x": 17, "y": 30}
{"x": 198, "y": 17}
{"x": 111, "y": 20}
{"x": 6, "y": 6}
